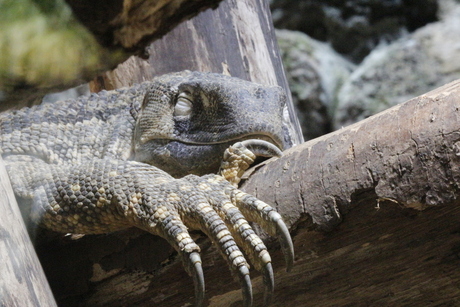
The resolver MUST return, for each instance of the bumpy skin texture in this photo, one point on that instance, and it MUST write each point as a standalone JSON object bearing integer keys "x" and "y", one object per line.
{"x": 139, "y": 157}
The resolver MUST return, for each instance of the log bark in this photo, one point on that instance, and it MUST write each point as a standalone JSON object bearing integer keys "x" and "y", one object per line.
{"x": 132, "y": 25}
{"x": 408, "y": 154}
{"x": 22, "y": 282}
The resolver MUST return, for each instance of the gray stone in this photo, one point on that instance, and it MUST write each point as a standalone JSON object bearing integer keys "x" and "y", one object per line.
{"x": 315, "y": 73}
{"x": 391, "y": 74}
{"x": 353, "y": 27}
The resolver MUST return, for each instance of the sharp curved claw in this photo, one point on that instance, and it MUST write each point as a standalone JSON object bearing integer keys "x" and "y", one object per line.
{"x": 262, "y": 148}
{"x": 246, "y": 286}
{"x": 286, "y": 243}
{"x": 198, "y": 278}
{"x": 269, "y": 283}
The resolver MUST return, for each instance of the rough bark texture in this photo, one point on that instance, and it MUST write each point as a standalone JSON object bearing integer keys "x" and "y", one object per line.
{"x": 22, "y": 281}
{"x": 408, "y": 154}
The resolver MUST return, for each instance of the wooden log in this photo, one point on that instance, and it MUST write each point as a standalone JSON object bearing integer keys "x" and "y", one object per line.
{"x": 392, "y": 181}
{"x": 375, "y": 257}
{"x": 408, "y": 154}
{"x": 132, "y": 24}
{"x": 22, "y": 281}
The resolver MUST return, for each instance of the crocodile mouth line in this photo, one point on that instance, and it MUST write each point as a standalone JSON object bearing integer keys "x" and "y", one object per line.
{"x": 260, "y": 145}
{"x": 262, "y": 137}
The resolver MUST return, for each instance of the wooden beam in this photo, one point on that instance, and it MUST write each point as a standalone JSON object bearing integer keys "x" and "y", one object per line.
{"x": 22, "y": 281}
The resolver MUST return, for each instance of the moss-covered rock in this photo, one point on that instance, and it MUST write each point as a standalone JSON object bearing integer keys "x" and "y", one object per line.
{"x": 41, "y": 44}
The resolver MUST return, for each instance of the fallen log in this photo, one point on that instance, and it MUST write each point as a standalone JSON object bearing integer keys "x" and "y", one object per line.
{"x": 409, "y": 155}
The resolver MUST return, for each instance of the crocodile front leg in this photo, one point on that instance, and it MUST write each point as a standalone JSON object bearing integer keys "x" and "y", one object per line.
{"x": 100, "y": 196}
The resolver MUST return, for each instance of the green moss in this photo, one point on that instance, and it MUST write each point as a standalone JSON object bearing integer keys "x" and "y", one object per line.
{"x": 41, "y": 44}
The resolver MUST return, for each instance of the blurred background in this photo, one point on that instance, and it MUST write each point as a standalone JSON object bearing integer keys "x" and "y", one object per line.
{"x": 348, "y": 59}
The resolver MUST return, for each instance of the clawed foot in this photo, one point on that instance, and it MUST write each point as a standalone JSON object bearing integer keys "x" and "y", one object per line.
{"x": 223, "y": 213}
{"x": 213, "y": 205}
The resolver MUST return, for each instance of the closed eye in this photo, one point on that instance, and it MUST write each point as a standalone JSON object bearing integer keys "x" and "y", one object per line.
{"x": 183, "y": 105}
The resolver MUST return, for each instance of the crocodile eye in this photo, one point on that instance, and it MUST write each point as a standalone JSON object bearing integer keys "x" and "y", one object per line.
{"x": 183, "y": 105}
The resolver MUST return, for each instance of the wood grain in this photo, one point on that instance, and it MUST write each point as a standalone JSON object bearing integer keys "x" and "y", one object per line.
{"x": 408, "y": 154}
{"x": 22, "y": 281}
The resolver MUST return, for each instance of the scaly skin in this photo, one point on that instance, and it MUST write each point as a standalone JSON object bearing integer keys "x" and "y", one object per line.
{"x": 120, "y": 159}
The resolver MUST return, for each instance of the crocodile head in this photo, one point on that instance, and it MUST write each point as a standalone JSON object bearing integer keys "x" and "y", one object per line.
{"x": 188, "y": 119}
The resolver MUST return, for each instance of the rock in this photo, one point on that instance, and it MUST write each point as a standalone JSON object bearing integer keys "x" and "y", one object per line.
{"x": 353, "y": 27}
{"x": 315, "y": 72}
{"x": 42, "y": 44}
{"x": 416, "y": 63}
{"x": 448, "y": 7}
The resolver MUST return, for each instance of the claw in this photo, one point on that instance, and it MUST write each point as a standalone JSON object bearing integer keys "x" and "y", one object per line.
{"x": 269, "y": 219}
{"x": 262, "y": 148}
{"x": 198, "y": 278}
{"x": 269, "y": 283}
{"x": 286, "y": 243}
{"x": 246, "y": 286}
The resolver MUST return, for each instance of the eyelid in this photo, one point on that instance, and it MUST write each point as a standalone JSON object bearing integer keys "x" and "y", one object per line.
{"x": 183, "y": 105}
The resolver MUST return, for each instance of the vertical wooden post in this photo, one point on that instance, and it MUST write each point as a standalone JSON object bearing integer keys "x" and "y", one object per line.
{"x": 22, "y": 281}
